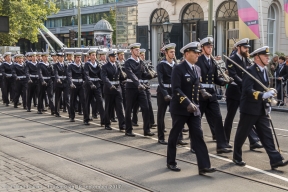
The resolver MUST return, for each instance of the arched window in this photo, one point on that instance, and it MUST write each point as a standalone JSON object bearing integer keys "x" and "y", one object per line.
{"x": 272, "y": 27}
{"x": 227, "y": 11}
{"x": 192, "y": 12}
{"x": 159, "y": 16}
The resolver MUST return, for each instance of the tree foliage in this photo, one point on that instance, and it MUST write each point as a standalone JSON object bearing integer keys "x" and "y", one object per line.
{"x": 25, "y": 17}
{"x": 111, "y": 18}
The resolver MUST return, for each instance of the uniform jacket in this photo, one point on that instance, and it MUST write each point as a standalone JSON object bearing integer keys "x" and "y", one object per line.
{"x": 164, "y": 71}
{"x": 92, "y": 72}
{"x": 185, "y": 88}
{"x": 75, "y": 72}
{"x": 44, "y": 71}
{"x": 31, "y": 69}
{"x": 234, "y": 91}
{"x": 135, "y": 71}
{"x": 60, "y": 71}
{"x": 109, "y": 74}
{"x": 209, "y": 75}
{"x": 6, "y": 68}
{"x": 283, "y": 73}
{"x": 18, "y": 70}
{"x": 252, "y": 93}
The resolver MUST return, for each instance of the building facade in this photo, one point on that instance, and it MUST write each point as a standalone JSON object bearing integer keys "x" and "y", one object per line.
{"x": 190, "y": 22}
{"x": 92, "y": 11}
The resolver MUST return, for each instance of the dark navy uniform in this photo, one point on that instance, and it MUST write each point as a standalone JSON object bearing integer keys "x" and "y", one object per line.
{"x": 18, "y": 73}
{"x": 185, "y": 88}
{"x": 61, "y": 87}
{"x": 45, "y": 85}
{"x": 32, "y": 78}
{"x": 93, "y": 90}
{"x": 281, "y": 71}
{"x": 123, "y": 82}
{"x": 76, "y": 77}
{"x": 111, "y": 76}
{"x": 8, "y": 82}
{"x": 233, "y": 95}
{"x": 135, "y": 71}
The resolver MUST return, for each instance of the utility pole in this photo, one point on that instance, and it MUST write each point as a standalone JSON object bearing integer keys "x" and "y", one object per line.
{"x": 210, "y": 21}
{"x": 79, "y": 24}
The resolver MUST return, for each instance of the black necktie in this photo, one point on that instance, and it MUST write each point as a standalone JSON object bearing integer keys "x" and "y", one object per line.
{"x": 208, "y": 62}
{"x": 264, "y": 76}
{"x": 194, "y": 71}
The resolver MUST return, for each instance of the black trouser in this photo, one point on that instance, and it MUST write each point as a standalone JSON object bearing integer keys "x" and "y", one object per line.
{"x": 214, "y": 111}
{"x": 74, "y": 92}
{"x": 42, "y": 90}
{"x": 35, "y": 96}
{"x": 8, "y": 84}
{"x": 264, "y": 130}
{"x": 90, "y": 95}
{"x": 133, "y": 96}
{"x": 123, "y": 88}
{"x": 232, "y": 107}
{"x": 31, "y": 92}
{"x": 209, "y": 119}
{"x": 194, "y": 125}
{"x": 59, "y": 91}
{"x": 94, "y": 106}
{"x": 280, "y": 90}
{"x": 114, "y": 101}
{"x": 136, "y": 109}
{"x": 20, "y": 89}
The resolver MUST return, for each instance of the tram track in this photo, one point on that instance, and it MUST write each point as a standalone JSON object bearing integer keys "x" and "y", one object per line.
{"x": 122, "y": 144}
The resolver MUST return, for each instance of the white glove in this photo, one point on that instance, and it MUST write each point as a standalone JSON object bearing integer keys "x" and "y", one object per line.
{"x": 268, "y": 94}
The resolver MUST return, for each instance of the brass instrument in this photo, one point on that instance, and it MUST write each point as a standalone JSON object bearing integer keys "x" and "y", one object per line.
{"x": 272, "y": 100}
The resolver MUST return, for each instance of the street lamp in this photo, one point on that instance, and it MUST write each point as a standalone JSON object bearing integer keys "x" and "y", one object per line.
{"x": 167, "y": 27}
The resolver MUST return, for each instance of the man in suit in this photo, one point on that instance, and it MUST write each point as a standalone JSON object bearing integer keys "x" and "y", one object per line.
{"x": 209, "y": 75}
{"x": 61, "y": 84}
{"x": 281, "y": 75}
{"x": 255, "y": 109}
{"x": 233, "y": 91}
{"x": 184, "y": 108}
{"x": 135, "y": 90}
{"x": 111, "y": 76}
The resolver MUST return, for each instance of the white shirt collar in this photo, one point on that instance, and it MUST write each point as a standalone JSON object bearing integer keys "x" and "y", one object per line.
{"x": 76, "y": 64}
{"x": 170, "y": 64}
{"x": 93, "y": 65}
{"x": 138, "y": 60}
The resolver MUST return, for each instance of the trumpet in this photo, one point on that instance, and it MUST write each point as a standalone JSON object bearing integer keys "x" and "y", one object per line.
{"x": 272, "y": 100}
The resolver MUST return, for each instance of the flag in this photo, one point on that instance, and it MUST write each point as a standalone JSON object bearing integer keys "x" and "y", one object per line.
{"x": 248, "y": 19}
{"x": 286, "y": 16}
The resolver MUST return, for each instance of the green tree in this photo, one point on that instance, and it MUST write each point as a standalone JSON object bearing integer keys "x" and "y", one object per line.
{"x": 111, "y": 18}
{"x": 25, "y": 17}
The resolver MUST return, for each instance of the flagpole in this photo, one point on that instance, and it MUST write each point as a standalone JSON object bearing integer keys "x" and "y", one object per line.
{"x": 262, "y": 24}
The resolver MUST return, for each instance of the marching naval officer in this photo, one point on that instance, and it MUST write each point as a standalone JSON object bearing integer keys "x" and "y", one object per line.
{"x": 255, "y": 109}
{"x": 184, "y": 108}
{"x": 233, "y": 91}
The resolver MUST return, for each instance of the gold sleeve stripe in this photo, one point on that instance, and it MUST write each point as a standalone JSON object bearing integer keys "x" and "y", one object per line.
{"x": 182, "y": 99}
{"x": 255, "y": 94}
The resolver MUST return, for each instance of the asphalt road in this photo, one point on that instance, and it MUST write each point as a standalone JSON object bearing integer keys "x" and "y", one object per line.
{"x": 139, "y": 160}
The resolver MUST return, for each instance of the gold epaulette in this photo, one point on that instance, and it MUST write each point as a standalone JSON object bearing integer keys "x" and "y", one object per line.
{"x": 182, "y": 99}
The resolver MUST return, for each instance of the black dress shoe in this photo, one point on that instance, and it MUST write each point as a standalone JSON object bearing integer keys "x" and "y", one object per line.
{"x": 130, "y": 134}
{"x": 121, "y": 128}
{"x": 94, "y": 116}
{"x": 102, "y": 124}
{"x": 223, "y": 150}
{"x": 80, "y": 113}
{"x": 152, "y": 126}
{"x": 44, "y": 109}
{"x": 239, "y": 163}
{"x": 229, "y": 146}
{"x": 181, "y": 142}
{"x": 256, "y": 146}
{"x": 113, "y": 120}
{"x": 64, "y": 110}
{"x": 52, "y": 113}
{"x": 108, "y": 127}
{"x": 86, "y": 123}
{"x": 185, "y": 130}
{"x": 163, "y": 142}
{"x": 192, "y": 151}
{"x": 206, "y": 170}
{"x": 173, "y": 168}
{"x": 39, "y": 112}
{"x": 72, "y": 120}
{"x": 279, "y": 164}
{"x": 135, "y": 124}
{"x": 28, "y": 110}
{"x": 7, "y": 105}
{"x": 149, "y": 134}
{"x": 57, "y": 115}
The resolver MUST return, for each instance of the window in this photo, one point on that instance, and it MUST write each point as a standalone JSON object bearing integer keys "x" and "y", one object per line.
{"x": 272, "y": 27}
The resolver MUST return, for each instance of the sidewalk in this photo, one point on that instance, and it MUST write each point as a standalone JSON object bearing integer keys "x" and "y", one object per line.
{"x": 16, "y": 175}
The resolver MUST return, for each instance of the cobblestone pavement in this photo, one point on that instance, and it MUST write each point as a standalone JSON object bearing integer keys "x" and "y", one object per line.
{"x": 16, "y": 175}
